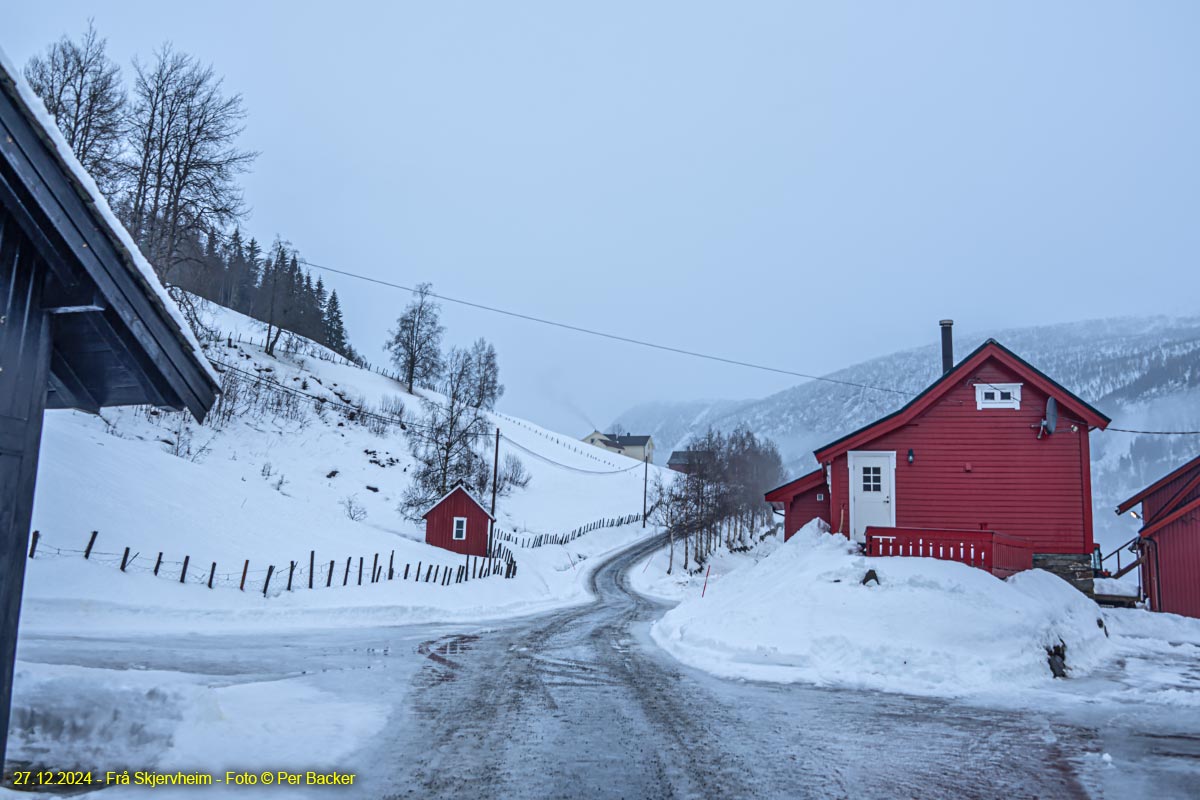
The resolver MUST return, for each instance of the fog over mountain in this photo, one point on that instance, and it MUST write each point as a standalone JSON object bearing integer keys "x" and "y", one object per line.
{"x": 1144, "y": 372}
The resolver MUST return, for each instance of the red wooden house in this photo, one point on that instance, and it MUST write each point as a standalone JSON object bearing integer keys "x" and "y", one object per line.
{"x": 989, "y": 465}
{"x": 1169, "y": 541}
{"x": 459, "y": 523}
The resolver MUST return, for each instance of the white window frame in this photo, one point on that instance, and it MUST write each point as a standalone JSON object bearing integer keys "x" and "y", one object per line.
{"x": 982, "y": 389}
{"x": 454, "y": 530}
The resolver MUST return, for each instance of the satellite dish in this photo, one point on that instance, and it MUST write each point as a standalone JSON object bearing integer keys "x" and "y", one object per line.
{"x": 1050, "y": 422}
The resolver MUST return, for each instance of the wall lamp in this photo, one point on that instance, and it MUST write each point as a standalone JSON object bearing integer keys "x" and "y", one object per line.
{"x": 911, "y": 456}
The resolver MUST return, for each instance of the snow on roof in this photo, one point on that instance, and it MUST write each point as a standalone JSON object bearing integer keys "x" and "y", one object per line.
{"x": 455, "y": 488}
{"x": 121, "y": 239}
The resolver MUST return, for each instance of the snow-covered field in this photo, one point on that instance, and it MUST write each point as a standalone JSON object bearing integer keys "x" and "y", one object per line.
{"x": 271, "y": 483}
{"x": 800, "y": 612}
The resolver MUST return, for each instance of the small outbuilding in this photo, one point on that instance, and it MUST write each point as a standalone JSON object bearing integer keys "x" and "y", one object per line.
{"x": 459, "y": 523}
{"x": 84, "y": 324}
{"x": 1169, "y": 540}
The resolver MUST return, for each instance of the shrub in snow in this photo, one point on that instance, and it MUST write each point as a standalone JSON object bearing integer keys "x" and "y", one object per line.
{"x": 924, "y": 626}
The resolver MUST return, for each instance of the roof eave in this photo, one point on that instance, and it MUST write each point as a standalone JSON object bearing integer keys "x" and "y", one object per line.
{"x": 906, "y": 413}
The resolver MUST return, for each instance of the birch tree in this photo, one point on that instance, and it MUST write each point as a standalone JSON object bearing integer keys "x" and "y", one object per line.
{"x": 417, "y": 341}
{"x": 81, "y": 87}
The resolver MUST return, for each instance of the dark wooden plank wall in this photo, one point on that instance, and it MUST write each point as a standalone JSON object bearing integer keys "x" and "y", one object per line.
{"x": 24, "y": 366}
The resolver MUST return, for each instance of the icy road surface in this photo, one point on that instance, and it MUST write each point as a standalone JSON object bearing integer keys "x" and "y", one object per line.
{"x": 580, "y": 703}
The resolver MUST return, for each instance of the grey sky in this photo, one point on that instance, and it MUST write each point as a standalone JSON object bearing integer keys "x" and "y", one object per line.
{"x": 804, "y": 185}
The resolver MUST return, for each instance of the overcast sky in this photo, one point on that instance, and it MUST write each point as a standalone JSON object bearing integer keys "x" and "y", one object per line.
{"x": 799, "y": 184}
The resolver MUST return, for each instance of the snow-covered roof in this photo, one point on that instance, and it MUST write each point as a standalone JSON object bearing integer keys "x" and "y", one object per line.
{"x": 131, "y": 255}
{"x": 458, "y": 487}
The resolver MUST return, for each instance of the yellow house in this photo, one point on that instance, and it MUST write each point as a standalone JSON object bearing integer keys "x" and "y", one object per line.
{"x": 640, "y": 448}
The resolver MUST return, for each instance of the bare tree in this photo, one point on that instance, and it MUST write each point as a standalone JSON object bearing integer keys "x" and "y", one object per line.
{"x": 485, "y": 378}
{"x": 668, "y": 509}
{"x": 182, "y": 165}
{"x": 510, "y": 475}
{"x": 81, "y": 87}
{"x": 447, "y": 446}
{"x": 416, "y": 343}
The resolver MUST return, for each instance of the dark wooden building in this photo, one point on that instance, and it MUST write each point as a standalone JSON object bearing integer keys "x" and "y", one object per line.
{"x": 459, "y": 523}
{"x": 84, "y": 324}
{"x": 1169, "y": 540}
{"x": 992, "y": 456}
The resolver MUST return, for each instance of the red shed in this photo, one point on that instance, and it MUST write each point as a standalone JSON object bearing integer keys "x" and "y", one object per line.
{"x": 803, "y": 499}
{"x": 970, "y": 464}
{"x": 1170, "y": 540}
{"x": 459, "y": 523}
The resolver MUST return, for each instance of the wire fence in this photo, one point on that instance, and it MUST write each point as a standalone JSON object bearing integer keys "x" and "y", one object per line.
{"x": 526, "y": 539}
{"x": 297, "y": 345}
{"x": 273, "y": 580}
{"x": 576, "y": 446}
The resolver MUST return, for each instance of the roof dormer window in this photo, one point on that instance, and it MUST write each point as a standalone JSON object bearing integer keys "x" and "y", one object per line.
{"x": 997, "y": 395}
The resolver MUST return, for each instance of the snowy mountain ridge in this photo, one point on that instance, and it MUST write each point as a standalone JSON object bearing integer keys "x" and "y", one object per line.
{"x": 1144, "y": 372}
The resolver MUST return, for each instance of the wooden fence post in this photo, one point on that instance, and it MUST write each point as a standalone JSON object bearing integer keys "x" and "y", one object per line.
{"x": 360, "y": 566}
{"x": 406, "y": 572}
{"x": 329, "y": 578}
{"x": 33, "y": 544}
{"x": 391, "y": 560}
{"x": 245, "y": 569}
{"x": 183, "y": 572}
{"x": 87, "y": 553}
{"x": 158, "y": 563}
{"x": 312, "y": 566}
{"x": 267, "y": 582}
{"x": 291, "y": 572}
{"x": 417, "y": 574}
{"x": 211, "y": 573}
{"x": 346, "y": 577}
{"x": 428, "y": 572}
{"x": 125, "y": 559}
{"x": 374, "y": 567}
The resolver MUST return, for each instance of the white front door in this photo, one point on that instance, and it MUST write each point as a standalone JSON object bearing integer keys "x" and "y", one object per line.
{"x": 872, "y": 491}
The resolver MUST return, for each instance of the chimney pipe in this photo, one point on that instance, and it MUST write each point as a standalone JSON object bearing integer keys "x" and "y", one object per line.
{"x": 947, "y": 345}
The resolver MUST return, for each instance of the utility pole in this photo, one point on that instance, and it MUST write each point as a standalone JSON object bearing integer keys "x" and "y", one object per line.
{"x": 495, "y": 471}
{"x": 645, "y": 486}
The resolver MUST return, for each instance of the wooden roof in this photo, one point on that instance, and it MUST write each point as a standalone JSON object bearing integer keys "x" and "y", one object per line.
{"x": 118, "y": 340}
{"x": 458, "y": 487}
{"x": 804, "y": 483}
{"x": 991, "y": 349}
{"x": 1163, "y": 481}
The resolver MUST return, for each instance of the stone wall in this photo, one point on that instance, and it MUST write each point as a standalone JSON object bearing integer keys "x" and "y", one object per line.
{"x": 1075, "y": 569}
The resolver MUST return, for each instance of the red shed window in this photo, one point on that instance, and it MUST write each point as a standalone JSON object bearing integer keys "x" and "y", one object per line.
{"x": 460, "y": 528}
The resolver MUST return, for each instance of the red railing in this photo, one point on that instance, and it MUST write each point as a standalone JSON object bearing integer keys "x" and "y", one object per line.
{"x": 999, "y": 554}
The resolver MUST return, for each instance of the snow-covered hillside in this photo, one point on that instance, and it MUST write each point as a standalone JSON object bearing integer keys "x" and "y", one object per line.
{"x": 275, "y": 474}
{"x": 1144, "y": 372}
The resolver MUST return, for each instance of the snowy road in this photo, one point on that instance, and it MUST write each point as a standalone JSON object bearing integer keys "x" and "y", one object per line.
{"x": 580, "y": 703}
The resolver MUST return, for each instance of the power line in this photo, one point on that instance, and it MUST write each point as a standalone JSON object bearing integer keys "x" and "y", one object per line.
{"x": 606, "y": 335}
{"x": 1155, "y": 433}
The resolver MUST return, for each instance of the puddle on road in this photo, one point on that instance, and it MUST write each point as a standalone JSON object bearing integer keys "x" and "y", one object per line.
{"x": 442, "y": 652}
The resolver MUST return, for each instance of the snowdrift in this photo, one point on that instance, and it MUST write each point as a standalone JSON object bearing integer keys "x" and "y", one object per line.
{"x": 929, "y": 627}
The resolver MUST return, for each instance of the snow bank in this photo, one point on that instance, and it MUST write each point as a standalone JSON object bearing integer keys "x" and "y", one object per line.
{"x": 929, "y": 627}
{"x": 1119, "y": 587}
{"x": 67, "y": 596}
{"x": 167, "y": 721}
